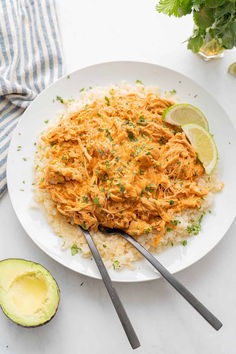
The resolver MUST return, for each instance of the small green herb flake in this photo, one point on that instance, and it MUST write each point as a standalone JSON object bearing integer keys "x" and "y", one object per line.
{"x": 139, "y": 82}
{"x": 122, "y": 188}
{"x": 24, "y": 158}
{"x": 46, "y": 121}
{"x": 108, "y": 194}
{"x": 169, "y": 229}
{"x": 195, "y": 228}
{"x": 107, "y": 165}
{"x": 141, "y": 172}
{"x": 58, "y": 98}
{"x": 104, "y": 246}
{"x": 68, "y": 77}
{"x": 171, "y": 202}
{"x": 81, "y": 90}
{"x": 184, "y": 243}
{"x": 116, "y": 264}
{"x": 109, "y": 135}
{"x": 107, "y": 100}
{"x": 96, "y": 201}
{"x": 117, "y": 158}
{"x": 131, "y": 135}
{"x": 147, "y": 231}
{"x": 175, "y": 222}
{"x": 85, "y": 199}
{"x": 81, "y": 284}
{"x": 173, "y": 92}
{"x": 74, "y": 250}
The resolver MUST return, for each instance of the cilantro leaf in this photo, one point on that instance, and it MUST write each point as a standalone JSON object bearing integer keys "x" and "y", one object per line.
{"x": 74, "y": 250}
{"x": 203, "y": 18}
{"x": 168, "y": 7}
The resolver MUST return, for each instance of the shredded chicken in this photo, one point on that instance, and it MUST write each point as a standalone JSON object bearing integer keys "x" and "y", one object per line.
{"x": 117, "y": 163}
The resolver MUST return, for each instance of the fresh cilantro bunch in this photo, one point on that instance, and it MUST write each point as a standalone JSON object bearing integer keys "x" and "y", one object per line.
{"x": 218, "y": 17}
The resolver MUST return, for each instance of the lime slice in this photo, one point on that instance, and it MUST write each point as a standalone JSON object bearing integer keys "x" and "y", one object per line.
{"x": 232, "y": 69}
{"x": 184, "y": 113}
{"x": 203, "y": 144}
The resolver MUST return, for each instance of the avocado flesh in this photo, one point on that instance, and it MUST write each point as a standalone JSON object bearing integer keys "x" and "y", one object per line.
{"x": 29, "y": 295}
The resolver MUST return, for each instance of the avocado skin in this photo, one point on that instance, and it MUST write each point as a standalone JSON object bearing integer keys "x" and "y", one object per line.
{"x": 58, "y": 291}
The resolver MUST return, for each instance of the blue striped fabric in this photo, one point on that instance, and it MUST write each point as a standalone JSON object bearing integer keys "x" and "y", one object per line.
{"x": 30, "y": 59}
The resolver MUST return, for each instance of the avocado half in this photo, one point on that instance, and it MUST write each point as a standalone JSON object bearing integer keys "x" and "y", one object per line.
{"x": 29, "y": 295}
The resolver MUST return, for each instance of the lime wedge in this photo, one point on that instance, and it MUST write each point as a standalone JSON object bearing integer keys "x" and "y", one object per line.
{"x": 184, "y": 113}
{"x": 203, "y": 144}
{"x": 232, "y": 69}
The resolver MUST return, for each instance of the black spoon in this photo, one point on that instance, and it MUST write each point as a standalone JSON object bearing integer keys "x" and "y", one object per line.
{"x": 204, "y": 312}
{"x": 124, "y": 319}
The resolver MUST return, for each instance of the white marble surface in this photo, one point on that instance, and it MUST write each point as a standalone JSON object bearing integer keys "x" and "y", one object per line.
{"x": 94, "y": 31}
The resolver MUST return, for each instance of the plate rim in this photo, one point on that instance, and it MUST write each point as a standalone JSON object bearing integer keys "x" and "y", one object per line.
{"x": 155, "y": 275}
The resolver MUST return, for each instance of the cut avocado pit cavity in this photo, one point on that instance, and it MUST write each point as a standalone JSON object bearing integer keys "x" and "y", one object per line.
{"x": 29, "y": 295}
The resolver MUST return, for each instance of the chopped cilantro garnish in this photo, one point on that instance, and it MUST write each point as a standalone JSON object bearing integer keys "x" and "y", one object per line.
{"x": 24, "y": 158}
{"x": 46, "y": 121}
{"x": 173, "y": 92}
{"x": 169, "y": 229}
{"x": 147, "y": 230}
{"x": 116, "y": 264}
{"x": 104, "y": 246}
{"x": 107, "y": 165}
{"x": 107, "y": 100}
{"x": 85, "y": 199}
{"x": 108, "y": 194}
{"x": 81, "y": 90}
{"x": 141, "y": 172}
{"x": 74, "y": 250}
{"x": 96, "y": 201}
{"x": 175, "y": 222}
{"x": 131, "y": 135}
{"x": 58, "y": 98}
{"x": 142, "y": 121}
{"x": 184, "y": 243}
{"x": 162, "y": 140}
{"x": 122, "y": 188}
{"x": 139, "y": 82}
{"x": 104, "y": 178}
{"x": 171, "y": 202}
{"x": 195, "y": 228}
{"x": 109, "y": 135}
{"x": 117, "y": 158}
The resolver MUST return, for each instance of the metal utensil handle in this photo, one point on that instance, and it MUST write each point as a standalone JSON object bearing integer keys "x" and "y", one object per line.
{"x": 204, "y": 312}
{"x": 124, "y": 319}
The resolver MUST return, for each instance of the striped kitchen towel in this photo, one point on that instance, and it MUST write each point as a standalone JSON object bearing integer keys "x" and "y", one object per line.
{"x": 30, "y": 59}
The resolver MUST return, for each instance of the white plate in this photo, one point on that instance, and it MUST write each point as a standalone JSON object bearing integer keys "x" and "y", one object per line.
{"x": 45, "y": 107}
